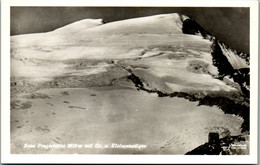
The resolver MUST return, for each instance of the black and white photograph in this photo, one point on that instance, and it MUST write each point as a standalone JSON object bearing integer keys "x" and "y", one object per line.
{"x": 131, "y": 80}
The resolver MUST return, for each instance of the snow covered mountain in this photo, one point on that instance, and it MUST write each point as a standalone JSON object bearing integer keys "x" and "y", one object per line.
{"x": 168, "y": 54}
{"x": 159, "y": 38}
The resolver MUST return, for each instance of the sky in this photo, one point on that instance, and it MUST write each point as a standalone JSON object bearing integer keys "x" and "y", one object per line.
{"x": 229, "y": 25}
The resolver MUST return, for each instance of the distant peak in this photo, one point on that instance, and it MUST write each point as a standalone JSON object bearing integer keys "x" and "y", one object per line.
{"x": 81, "y": 25}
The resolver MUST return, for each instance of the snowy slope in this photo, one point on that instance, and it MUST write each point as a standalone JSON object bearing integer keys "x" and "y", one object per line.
{"x": 157, "y": 41}
{"x": 79, "y": 26}
{"x": 236, "y": 61}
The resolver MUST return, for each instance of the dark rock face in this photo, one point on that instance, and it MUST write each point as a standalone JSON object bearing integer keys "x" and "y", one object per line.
{"x": 213, "y": 137}
{"x": 206, "y": 149}
{"x": 220, "y": 60}
{"x": 192, "y": 27}
{"x": 242, "y": 77}
{"x": 136, "y": 80}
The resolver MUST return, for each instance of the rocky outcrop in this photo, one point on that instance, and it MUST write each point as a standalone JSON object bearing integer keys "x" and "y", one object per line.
{"x": 192, "y": 27}
{"x": 223, "y": 146}
{"x": 220, "y": 61}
